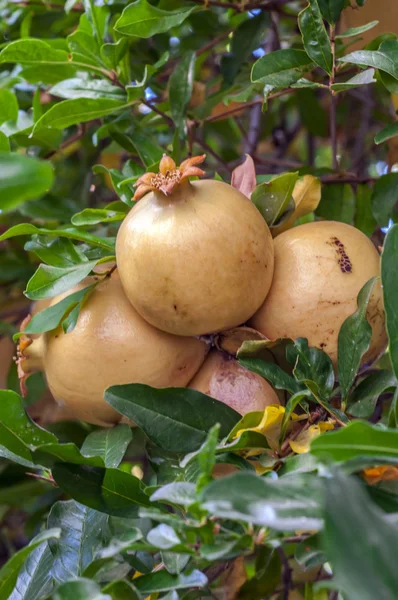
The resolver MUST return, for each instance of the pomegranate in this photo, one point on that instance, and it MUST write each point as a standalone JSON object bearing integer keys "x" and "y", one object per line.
{"x": 194, "y": 257}
{"x": 320, "y": 268}
{"x": 110, "y": 344}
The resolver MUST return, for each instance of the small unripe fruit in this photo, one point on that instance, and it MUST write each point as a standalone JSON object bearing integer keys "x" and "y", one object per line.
{"x": 193, "y": 257}
{"x": 110, "y": 344}
{"x": 320, "y": 268}
{"x": 224, "y": 379}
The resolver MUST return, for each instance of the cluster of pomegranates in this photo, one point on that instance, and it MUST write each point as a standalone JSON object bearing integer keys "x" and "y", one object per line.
{"x": 195, "y": 258}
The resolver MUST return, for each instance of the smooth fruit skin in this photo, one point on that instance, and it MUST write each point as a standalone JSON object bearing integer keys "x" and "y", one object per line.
{"x": 196, "y": 262}
{"x": 224, "y": 379}
{"x": 110, "y": 345}
{"x": 320, "y": 268}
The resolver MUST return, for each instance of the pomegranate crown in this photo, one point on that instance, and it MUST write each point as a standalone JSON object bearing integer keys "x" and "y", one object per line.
{"x": 169, "y": 177}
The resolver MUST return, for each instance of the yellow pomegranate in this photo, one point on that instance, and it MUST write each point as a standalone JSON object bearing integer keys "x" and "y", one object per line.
{"x": 111, "y": 344}
{"x": 224, "y": 379}
{"x": 194, "y": 257}
{"x": 320, "y": 268}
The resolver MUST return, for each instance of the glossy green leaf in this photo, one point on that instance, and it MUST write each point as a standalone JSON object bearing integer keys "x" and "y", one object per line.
{"x": 58, "y": 252}
{"x": 359, "y": 574}
{"x": 84, "y": 88}
{"x": 79, "y": 110}
{"x": 9, "y": 572}
{"x": 315, "y": 38}
{"x": 362, "y": 401}
{"x": 384, "y": 59}
{"x": 22, "y": 178}
{"x": 93, "y": 216}
{"x": 175, "y": 419}
{"x": 175, "y": 563}
{"x": 355, "y": 440}
{"x": 337, "y": 203}
{"x": 49, "y": 454}
{"x": 141, "y": 19}
{"x": 121, "y": 590}
{"x": 164, "y": 582}
{"x": 80, "y": 589}
{"x": 146, "y": 146}
{"x": 206, "y": 456}
{"x": 8, "y": 106}
{"x": 109, "y": 444}
{"x": 179, "y": 493}
{"x": 291, "y": 405}
{"x": 331, "y": 9}
{"x": 387, "y": 133}
{"x": 364, "y": 219}
{"x": 311, "y": 365}
{"x": 274, "y": 374}
{"x": 274, "y": 199}
{"x": 34, "y": 578}
{"x": 384, "y": 198}
{"x": 180, "y": 87}
{"x": 354, "y": 339}
{"x": 110, "y": 491}
{"x": 363, "y": 78}
{"x": 279, "y": 504}
{"x": 49, "y": 318}
{"x": 50, "y": 281}
{"x": 280, "y": 68}
{"x": 67, "y": 232}
{"x": 393, "y": 412}
{"x": 4, "y": 143}
{"x": 18, "y": 432}
{"x": 353, "y": 31}
{"x": 112, "y": 54}
{"x": 389, "y": 278}
{"x": 32, "y": 51}
{"x": 163, "y": 537}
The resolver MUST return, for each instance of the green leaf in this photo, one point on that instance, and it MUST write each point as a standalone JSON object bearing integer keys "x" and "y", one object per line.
{"x": 8, "y": 106}
{"x": 142, "y": 20}
{"x": 34, "y": 579}
{"x": 49, "y": 281}
{"x": 349, "y": 515}
{"x": 163, "y": 537}
{"x": 393, "y": 413}
{"x": 112, "y": 54}
{"x": 175, "y": 563}
{"x": 180, "y": 87}
{"x": 22, "y": 178}
{"x": 355, "y": 440}
{"x": 273, "y": 199}
{"x": 80, "y": 589}
{"x": 179, "y": 492}
{"x": 384, "y": 198}
{"x": 290, "y": 406}
{"x": 83, "y": 531}
{"x": 164, "y": 582}
{"x": 311, "y": 366}
{"x": 84, "y": 88}
{"x": 85, "y": 50}
{"x": 49, "y": 318}
{"x": 110, "y": 491}
{"x": 387, "y": 133}
{"x": 337, "y": 203}
{"x": 274, "y": 374}
{"x": 362, "y": 401}
{"x": 30, "y": 51}
{"x": 175, "y": 419}
{"x": 146, "y": 146}
{"x": 315, "y": 38}
{"x": 354, "y": 339}
{"x": 109, "y": 444}
{"x": 19, "y": 433}
{"x": 67, "y": 232}
{"x": 70, "y": 112}
{"x": 58, "y": 252}
{"x": 280, "y": 68}
{"x": 364, "y": 219}
{"x": 9, "y": 572}
{"x": 389, "y": 278}
{"x": 280, "y": 504}
{"x": 93, "y": 216}
{"x": 331, "y": 9}
{"x": 121, "y": 590}
{"x": 353, "y": 31}
{"x": 206, "y": 456}
{"x": 49, "y": 454}
{"x": 4, "y": 143}
{"x": 384, "y": 59}
{"x": 246, "y": 38}
{"x": 363, "y": 78}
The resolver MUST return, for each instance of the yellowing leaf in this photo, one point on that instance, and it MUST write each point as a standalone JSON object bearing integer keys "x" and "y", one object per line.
{"x": 306, "y": 196}
{"x": 303, "y": 441}
{"x": 270, "y": 424}
{"x": 374, "y": 475}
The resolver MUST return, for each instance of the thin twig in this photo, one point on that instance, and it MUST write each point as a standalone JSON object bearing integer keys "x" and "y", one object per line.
{"x": 210, "y": 150}
{"x": 159, "y": 112}
{"x": 244, "y": 105}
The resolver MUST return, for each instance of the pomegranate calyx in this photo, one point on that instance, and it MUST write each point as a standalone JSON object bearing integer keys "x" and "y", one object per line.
{"x": 169, "y": 177}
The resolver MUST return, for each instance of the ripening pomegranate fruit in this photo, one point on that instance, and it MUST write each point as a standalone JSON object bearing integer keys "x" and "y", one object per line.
{"x": 224, "y": 379}
{"x": 320, "y": 268}
{"x": 194, "y": 257}
{"x": 111, "y": 344}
